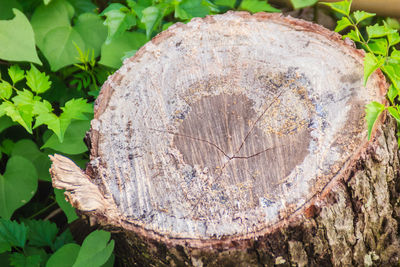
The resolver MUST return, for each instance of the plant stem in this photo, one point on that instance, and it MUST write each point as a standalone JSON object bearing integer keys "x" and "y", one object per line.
{"x": 41, "y": 211}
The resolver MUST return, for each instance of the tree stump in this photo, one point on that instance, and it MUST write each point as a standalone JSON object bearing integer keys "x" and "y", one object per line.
{"x": 240, "y": 140}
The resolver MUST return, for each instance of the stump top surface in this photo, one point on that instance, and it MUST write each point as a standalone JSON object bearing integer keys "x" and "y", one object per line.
{"x": 229, "y": 125}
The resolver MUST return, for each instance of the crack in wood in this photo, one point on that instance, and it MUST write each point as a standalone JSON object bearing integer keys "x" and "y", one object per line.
{"x": 214, "y": 145}
{"x": 238, "y": 150}
{"x": 258, "y": 119}
{"x": 191, "y": 137}
{"x": 242, "y": 143}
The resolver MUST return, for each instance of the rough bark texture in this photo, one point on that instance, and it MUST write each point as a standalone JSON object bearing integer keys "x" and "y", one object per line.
{"x": 357, "y": 224}
{"x": 240, "y": 140}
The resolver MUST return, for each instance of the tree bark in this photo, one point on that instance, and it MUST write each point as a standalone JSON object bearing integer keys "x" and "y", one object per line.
{"x": 240, "y": 140}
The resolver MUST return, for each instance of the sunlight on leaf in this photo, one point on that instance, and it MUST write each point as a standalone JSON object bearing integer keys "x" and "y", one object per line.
{"x": 17, "y": 39}
{"x": 343, "y": 7}
{"x": 371, "y": 64}
{"x": 37, "y": 81}
{"x": 373, "y": 110}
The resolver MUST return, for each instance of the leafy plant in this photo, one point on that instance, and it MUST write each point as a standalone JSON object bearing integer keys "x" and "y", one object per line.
{"x": 42, "y": 111}
{"x": 379, "y": 43}
{"x": 29, "y": 243}
{"x": 27, "y": 106}
{"x": 152, "y": 16}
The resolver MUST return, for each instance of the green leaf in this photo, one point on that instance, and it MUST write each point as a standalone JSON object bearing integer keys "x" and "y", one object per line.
{"x": 166, "y": 26}
{"x": 17, "y": 39}
{"x": 395, "y": 54}
{"x": 16, "y": 74}
{"x": 23, "y": 98}
{"x": 4, "y": 246}
{"x": 393, "y": 23}
{"x": 18, "y": 185}
{"x": 83, "y": 6}
{"x": 7, "y": 7}
{"x": 21, "y": 111}
{"x": 37, "y": 81}
{"x": 112, "y": 7}
{"x": 28, "y": 149}
{"x": 376, "y": 31}
{"x": 40, "y": 107}
{"x": 52, "y": 122}
{"x": 12, "y": 233}
{"x": 151, "y": 18}
{"x": 22, "y": 117}
{"x": 65, "y": 256}
{"x": 46, "y": 18}
{"x": 392, "y": 71}
{"x": 379, "y": 46}
{"x": 41, "y": 233}
{"x": 373, "y": 110}
{"x": 7, "y": 146}
{"x": 143, "y": 3}
{"x": 74, "y": 109}
{"x": 93, "y": 32}
{"x": 362, "y": 15}
{"x": 188, "y": 9}
{"x": 118, "y": 22}
{"x": 64, "y": 238}
{"x": 59, "y": 47}
{"x": 41, "y": 252}
{"x": 95, "y": 250}
{"x": 352, "y": 35}
{"x": 393, "y": 38}
{"x": 73, "y": 139}
{"x": 5, "y": 90}
{"x": 371, "y": 64}
{"x": 343, "y": 7}
{"x": 5, "y": 122}
{"x": 395, "y": 113}
{"x": 112, "y": 53}
{"x": 343, "y": 23}
{"x": 77, "y": 108}
{"x": 128, "y": 54}
{"x": 65, "y": 206}
{"x": 228, "y": 3}
{"x": 302, "y": 3}
{"x": 110, "y": 261}
{"x": 392, "y": 93}
{"x": 255, "y": 6}
{"x": 20, "y": 260}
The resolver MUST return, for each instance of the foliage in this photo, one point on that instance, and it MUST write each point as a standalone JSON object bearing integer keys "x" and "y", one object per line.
{"x": 27, "y": 106}
{"x": 28, "y": 244}
{"x": 379, "y": 41}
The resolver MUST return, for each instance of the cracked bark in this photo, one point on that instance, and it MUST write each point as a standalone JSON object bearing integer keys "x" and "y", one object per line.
{"x": 239, "y": 140}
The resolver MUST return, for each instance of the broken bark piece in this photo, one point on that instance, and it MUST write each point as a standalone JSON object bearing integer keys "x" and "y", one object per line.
{"x": 224, "y": 131}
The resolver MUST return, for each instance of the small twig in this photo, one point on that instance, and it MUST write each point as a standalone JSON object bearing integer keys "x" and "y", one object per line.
{"x": 42, "y": 210}
{"x": 53, "y": 214}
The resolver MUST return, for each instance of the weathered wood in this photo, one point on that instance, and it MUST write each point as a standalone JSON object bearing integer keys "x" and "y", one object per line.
{"x": 231, "y": 131}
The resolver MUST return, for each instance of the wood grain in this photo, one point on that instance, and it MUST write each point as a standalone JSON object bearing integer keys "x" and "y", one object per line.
{"x": 229, "y": 126}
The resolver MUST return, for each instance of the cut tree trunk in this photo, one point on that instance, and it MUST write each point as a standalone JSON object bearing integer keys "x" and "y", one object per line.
{"x": 240, "y": 140}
